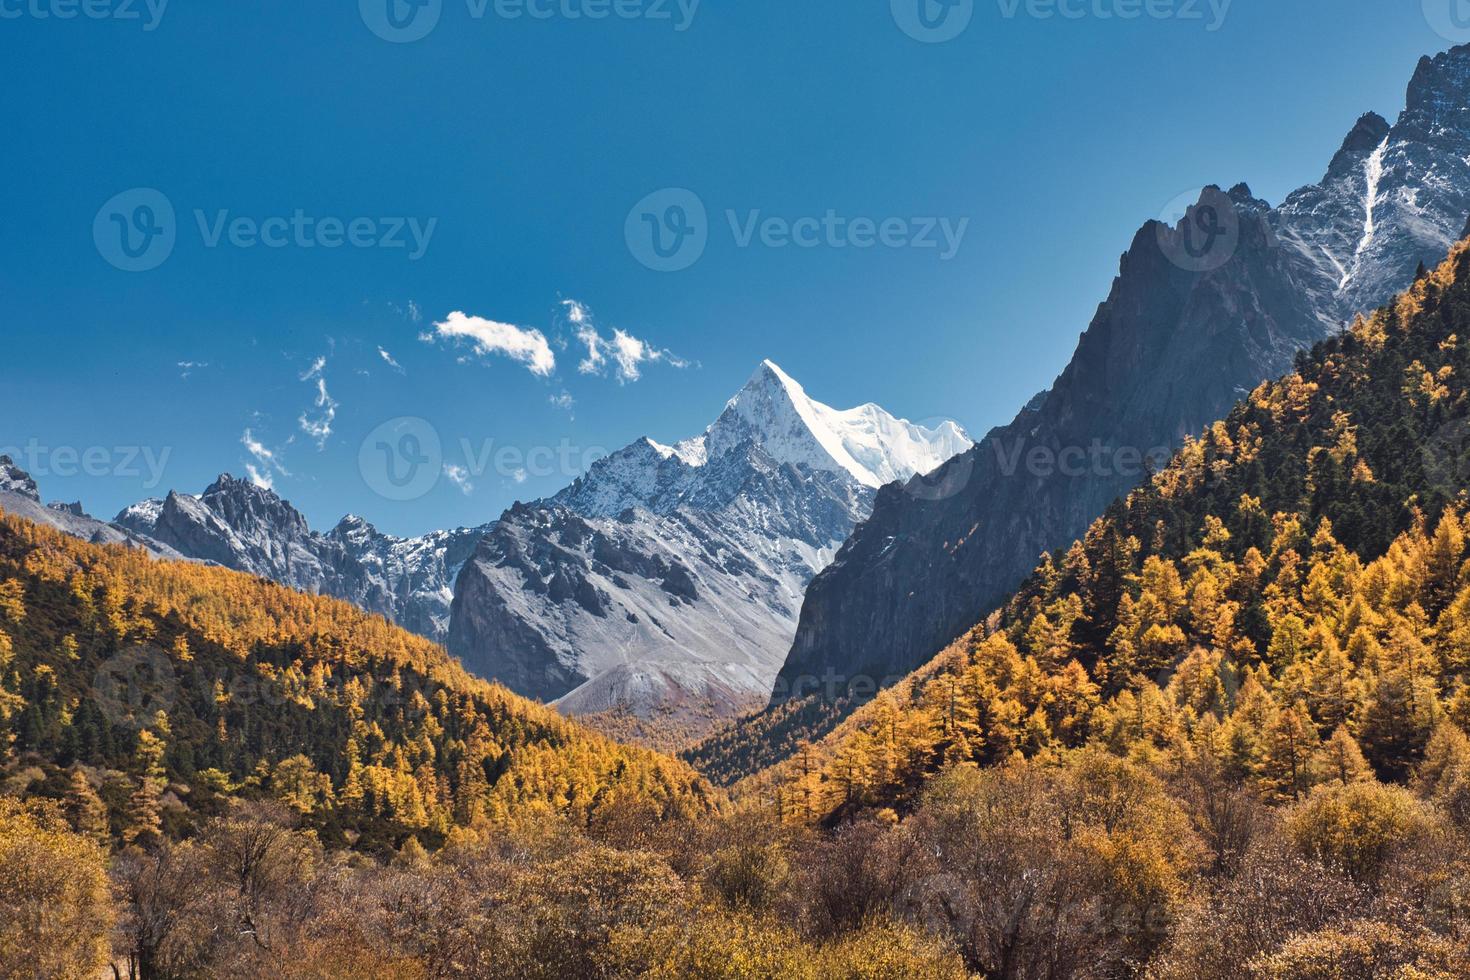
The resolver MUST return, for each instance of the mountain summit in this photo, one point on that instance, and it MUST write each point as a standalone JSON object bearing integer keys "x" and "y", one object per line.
{"x": 669, "y": 577}
{"x": 866, "y": 442}
{"x": 1176, "y": 343}
{"x": 248, "y": 528}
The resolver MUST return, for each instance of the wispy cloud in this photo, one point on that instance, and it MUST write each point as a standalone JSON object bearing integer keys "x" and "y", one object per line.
{"x": 563, "y": 401}
{"x": 488, "y": 338}
{"x": 411, "y": 312}
{"x": 460, "y": 477}
{"x": 623, "y": 353}
{"x": 266, "y": 465}
{"x": 388, "y": 359}
{"x": 187, "y": 368}
{"x": 319, "y": 425}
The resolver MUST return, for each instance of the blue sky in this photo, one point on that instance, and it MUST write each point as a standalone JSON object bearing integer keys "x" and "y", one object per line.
{"x": 519, "y": 148}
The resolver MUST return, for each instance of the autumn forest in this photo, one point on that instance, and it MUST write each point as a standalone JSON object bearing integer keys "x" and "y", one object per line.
{"x": 1224, "y": 734}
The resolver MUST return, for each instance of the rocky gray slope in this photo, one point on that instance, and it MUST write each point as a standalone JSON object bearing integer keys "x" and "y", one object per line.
{"x": 670, "y": 576}
{"x": 1199, "y": 314}
{"x": 20, "y": 496}
{"x": 239, "y": 525}
{"x": 666, "y": 579}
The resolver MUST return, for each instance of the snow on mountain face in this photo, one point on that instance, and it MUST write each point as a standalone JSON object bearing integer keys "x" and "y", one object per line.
{"x": 15, "y": 480}
{"x": 866, "y": 442}
{"x": 670, "y": 577}
{"x": 1393, "y": 197}
{"x": 250, "y": 529}
{"x": 20, "y": 496}
{"x": 1168, "y": 352}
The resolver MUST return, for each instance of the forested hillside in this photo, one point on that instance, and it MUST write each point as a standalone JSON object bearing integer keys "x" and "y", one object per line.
{"x": 1241, "y": 700}
{"x": 204, "y": 774}
{"x": 1222, "y": 736}
{"x": 1294, "y": 579}
{"x": 173, "y": 686}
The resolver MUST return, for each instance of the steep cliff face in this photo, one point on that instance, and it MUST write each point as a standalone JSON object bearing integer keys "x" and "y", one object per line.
{"x": 1199, "y": 314}
{"x": 19, "y": 495}
{"x": 238, "y": 525}
{"x": 669, "y": 577}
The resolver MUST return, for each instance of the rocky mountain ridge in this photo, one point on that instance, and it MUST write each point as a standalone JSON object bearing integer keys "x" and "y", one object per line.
{"x": 669, "y": 577}
{"x": 1184, "y": 333}
{"x": 248, "y": 528}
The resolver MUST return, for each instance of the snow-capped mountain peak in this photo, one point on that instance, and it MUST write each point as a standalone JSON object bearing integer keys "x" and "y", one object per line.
{"x": 669, "y": 577}
{"x": 15, "y": 480}
{"x": 873, "y": 447}
{"x": 773, "y": 413}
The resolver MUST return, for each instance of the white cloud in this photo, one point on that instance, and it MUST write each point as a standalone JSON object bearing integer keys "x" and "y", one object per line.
{"x": 488, "y": 337}
{"x": 576, "y": 312}
{"x": 624, "y": 352}
{"x": 319, "y": 427}
{"x": 563, "y": 401}
{"x": 186, "y": 368}
{"x": 315, "y": 371}
{"x": 412, "y": 313}
{"x": 267, "y": 464}
{"x": 595, "y": 359}
{"x": 520, "y": 476}
{"x": 388, "y": 358}
{"x": 460, "y": 477}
